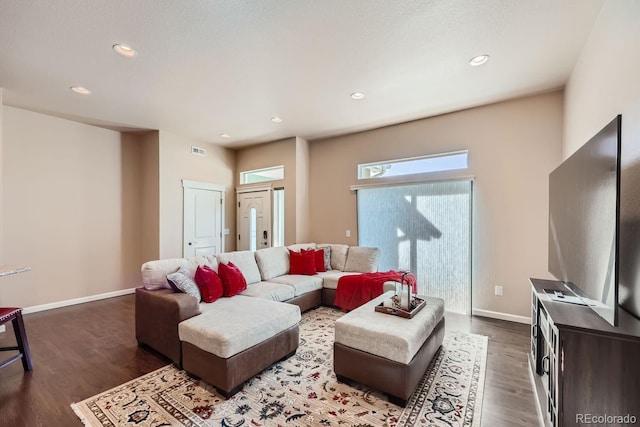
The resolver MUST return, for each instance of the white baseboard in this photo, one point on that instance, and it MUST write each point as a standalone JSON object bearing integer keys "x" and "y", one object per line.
{"x": 75, "y": 301}
{"x": 502, "y": 316}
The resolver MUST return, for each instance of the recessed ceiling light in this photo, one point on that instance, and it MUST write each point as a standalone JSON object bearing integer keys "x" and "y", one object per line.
{"x": 357, "y": 95}
{"x": 478, "y": 60}
{"x": 225, "y": 135}
{"x": 80, "y": 90}
{"x": 276, "y": 119}
{"x": 125, "y": 50}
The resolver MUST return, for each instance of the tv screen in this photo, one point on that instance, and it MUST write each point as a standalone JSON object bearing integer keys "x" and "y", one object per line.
{"x": 584, "y": 221}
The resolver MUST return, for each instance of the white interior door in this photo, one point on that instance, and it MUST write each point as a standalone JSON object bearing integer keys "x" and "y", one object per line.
{"x": 254, "y": 220}
{"x": 203, "y": 220}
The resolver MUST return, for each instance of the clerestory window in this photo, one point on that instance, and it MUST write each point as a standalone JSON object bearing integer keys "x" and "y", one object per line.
{"x": 415, "y": 165}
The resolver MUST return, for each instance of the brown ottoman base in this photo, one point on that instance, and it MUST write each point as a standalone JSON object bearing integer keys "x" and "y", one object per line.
{"x": 229, "y": 375}
{"x": 396, "y": 379}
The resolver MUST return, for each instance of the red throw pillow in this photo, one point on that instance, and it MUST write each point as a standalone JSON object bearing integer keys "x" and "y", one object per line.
{"x": 233, "y": 280}
{"x": 303, "y": 262}
{"x": 319, "y": 258}
{"x": 209, "y": 284}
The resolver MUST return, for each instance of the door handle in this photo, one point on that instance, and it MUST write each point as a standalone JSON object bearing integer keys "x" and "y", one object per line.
{"x": 545, "y": 369}
{"x": 193, "y": 243}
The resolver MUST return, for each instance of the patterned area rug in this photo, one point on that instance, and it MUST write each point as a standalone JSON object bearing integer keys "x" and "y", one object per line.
{"x": 301, "y": 391}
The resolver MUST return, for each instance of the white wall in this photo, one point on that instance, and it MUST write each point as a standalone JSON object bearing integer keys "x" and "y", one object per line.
{"x": 84, "y": 206}
{"x": 70, "y": 206}
{"x": 176, "y": 162}
{"x": 512, "y": 147}
{"x": 1, "y": 193}
{"x": 150, "y": 184}
{"x": 282, "y": 152}
{"x": 302, "y": 190}
{"x": 606, "y": 82}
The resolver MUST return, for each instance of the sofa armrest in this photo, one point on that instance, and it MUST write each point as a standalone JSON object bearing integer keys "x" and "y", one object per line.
{"x": 157, "y": 316}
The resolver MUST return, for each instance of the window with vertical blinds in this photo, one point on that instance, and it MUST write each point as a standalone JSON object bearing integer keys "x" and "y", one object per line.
{"x": 424, "y": 228}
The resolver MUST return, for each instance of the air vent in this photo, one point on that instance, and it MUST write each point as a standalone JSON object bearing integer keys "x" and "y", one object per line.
{"x": 198, "y": 151}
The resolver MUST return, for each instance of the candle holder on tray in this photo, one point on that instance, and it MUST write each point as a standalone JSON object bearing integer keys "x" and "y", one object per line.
{"x": 403, "y": 303}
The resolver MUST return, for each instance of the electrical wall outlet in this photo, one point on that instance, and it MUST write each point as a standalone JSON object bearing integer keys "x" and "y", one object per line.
{"x": 499, "y": 291}
{"x": 347, "y": 233}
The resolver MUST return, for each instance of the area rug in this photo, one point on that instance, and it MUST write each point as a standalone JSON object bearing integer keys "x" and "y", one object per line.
{"x": 301, "y": 391}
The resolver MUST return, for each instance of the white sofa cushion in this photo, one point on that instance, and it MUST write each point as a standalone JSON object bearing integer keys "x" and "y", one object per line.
{"x": 270, "y": 290}
{"x": 231, "y": 325}
{"x": 272, "y": 262}
{"x": 384, "y": 335}
{"x": 302, "y": 284}
{"x": 298, "y": 246}
{"x": 362, "y": 259}
{"x": 338, "y": 255}
{"x": 245, "y": 261}
{"x": 330, "y": 278}
{"x": 154, "y": 273}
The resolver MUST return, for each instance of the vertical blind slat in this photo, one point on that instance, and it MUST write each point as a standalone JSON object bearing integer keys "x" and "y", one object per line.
{"x": 424, "y": 228}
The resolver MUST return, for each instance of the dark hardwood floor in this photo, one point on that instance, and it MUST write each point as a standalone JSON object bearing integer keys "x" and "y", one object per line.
{"x": 508, "y": 392}
{"x": 82, "y": 350}
{"x": 77, "y": 352}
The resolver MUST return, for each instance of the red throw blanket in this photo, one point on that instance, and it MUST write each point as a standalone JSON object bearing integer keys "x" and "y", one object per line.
{"x": 357, "y": 289}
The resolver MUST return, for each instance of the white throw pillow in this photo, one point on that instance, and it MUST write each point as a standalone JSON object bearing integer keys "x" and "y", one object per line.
{"x": 183, "y": 281}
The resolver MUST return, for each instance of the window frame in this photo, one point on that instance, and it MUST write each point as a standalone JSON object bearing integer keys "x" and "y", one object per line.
{"x": 244, "y": 174}
{"x": 363, "y": 166}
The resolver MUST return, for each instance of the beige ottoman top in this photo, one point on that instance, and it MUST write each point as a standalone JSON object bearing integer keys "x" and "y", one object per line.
{"x": 385, "y": 335}
{"x": 231, "y": 325}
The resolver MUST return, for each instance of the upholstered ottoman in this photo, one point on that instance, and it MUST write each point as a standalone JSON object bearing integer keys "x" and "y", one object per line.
{"x": 235, "y": 338}
{"x": 387, "y": 352}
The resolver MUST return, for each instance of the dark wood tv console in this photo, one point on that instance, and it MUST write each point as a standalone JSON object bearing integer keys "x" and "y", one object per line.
{"x": 585, "y": 371}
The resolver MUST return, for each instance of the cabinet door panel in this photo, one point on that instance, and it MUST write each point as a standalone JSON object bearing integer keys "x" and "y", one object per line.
{"x": 594, "y": 369}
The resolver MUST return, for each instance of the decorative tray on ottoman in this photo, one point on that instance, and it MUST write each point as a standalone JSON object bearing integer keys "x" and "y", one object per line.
{"x": 416, "y": 305}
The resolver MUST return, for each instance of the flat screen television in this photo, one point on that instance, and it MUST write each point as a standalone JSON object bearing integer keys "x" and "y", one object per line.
{"x": 584, "y": 221}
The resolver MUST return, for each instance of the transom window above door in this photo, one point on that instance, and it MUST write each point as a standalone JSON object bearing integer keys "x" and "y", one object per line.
{"x": 273, "y": 173}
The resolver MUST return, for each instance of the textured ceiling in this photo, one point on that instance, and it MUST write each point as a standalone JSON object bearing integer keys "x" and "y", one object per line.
{"x": 210, "y": 67}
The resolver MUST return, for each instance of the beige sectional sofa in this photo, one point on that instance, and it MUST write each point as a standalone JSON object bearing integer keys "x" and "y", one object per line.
{"x": 232, "y": 339}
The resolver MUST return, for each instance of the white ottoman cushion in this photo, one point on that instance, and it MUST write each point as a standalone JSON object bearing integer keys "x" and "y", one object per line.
{"x": 392, "y": 337}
